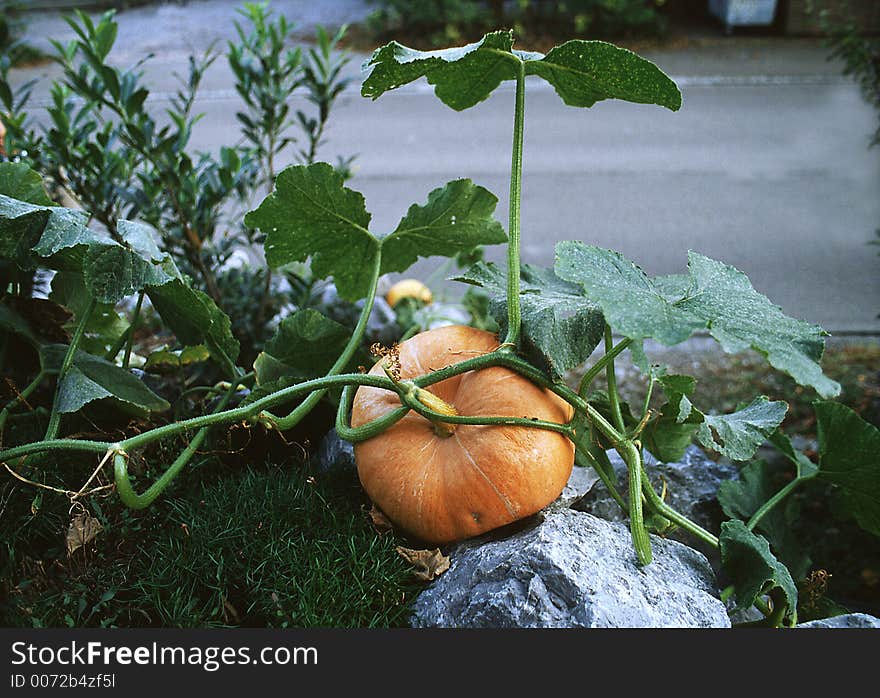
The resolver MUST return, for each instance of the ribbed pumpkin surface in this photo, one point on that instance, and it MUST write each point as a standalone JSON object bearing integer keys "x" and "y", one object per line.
{"x": 441, "y": 488}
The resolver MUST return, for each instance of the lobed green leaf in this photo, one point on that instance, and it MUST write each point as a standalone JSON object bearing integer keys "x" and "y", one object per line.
{"x": 582, "y": 72}
{"x": 849, "y": 457}
{"x": 739, "y": 434}
{"x": 560, "y": 327}
{"x": 752, "y": 568}
{"x": 741, "y": 498}
{"x": 92, "y": 378}
{"x": 718, "y": 298}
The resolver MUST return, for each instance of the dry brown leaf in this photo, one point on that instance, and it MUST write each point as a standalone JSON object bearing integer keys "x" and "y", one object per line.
{"x": 427, "y": 564}
{"x": 380, "y": 521}
{"x": 83, "y": 528}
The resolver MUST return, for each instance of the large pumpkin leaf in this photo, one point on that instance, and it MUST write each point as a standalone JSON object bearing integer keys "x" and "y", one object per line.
{"x": 585, "y": 72}
{"x": 582, "y": 72}
{"x": 462, "y": 76}
{"x": 92, "y": 378}
{"x": 56, "y": 234}
{"x": 18, "y": 181}
{"x": 751, "y": 566}
{"x": 719, "y": 298}
{"x": 739, "y": 318}
{"x": 741, "y": 498}
{"x": 631, "y": 303}
{"x": 311, "y": 214}
{"x": 104, "y": 326}
{"x": 195, "y": 319}
{"x": 457, "y": 217}
{"x": 849, "y": 457}
{"x": 560, "y": 327}
{"x": 305, "y": 345}
{"x": 740, "y": 434}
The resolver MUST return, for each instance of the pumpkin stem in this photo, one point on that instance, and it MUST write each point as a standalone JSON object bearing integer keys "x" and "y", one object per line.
{"x": 437, "y": 404}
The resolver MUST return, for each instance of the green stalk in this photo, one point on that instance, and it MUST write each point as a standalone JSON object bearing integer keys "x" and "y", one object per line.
{"x": 131, "y": 329}
{"x": 232, "y": 415}
{"x": 641, "y": 539}
{"x": 772, "y": 502}
{"x": 21, "y": 397}
{"x": 120, "y": 466}
{"x": 306, "y": 406}
{"x": 662, "y": 508}
{"x": 426, "y": 412}
{"x": 514, "y": 317}
{"x": 55, "y": 415}
{"x": 596, "y": 368}
{"x": 611, "y": 378}
{"x": 604, "y": 475}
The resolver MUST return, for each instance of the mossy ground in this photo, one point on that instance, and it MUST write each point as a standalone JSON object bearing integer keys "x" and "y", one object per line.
{"x": 270, "y": 546}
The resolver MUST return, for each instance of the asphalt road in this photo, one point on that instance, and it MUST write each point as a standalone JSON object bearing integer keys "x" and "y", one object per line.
{"x": 765, "y": 167}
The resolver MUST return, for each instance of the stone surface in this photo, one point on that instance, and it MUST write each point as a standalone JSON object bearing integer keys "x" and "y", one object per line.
{"x": 335, "y": 454}
{"x": 580, "y": 482}
{"x": 571, "y": 570}
{"x": 381, "y": 327}
{"x": 691, "y": 488}
{"x": 849, "y": 620}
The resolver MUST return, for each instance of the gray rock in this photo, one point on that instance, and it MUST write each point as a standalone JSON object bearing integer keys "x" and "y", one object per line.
{"x": 335, "y": 454}
{"x": 691, "y": 488}
{"x": 571, "y": 570}
{"x": 381, "y": 327}
{"x": 580, "y": 482}
{"x": 849, "y": 620}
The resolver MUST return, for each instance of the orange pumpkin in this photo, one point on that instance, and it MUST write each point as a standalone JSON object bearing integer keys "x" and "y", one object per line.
{"x": 445, "y": 487}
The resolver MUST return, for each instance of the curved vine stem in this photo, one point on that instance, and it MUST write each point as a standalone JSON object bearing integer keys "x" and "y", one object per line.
{"x": 20, "y": 397}
{"x": 120, "y": 465}
{"x": 306, "y": 406}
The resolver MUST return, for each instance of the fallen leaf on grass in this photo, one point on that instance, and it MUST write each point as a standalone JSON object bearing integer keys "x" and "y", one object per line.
{"x": 427, "y": 564}
{"x": 380, "y": 521}
{"x": 83, "y": 528}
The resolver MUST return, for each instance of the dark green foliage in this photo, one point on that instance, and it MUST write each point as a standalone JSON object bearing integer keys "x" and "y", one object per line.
{"x": 860, "y": 55}
{"x": 444, "y": 22}
{"x": 265, "y": 548}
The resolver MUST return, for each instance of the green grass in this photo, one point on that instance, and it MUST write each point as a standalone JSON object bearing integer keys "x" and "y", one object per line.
{"x": 268, "y": 547}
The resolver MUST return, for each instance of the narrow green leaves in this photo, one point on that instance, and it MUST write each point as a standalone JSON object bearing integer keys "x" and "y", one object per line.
{"x": 582, "y": 72}
{"x": 751, "y": 566}
{"x": 717, "y": 298}
{"x": 312, "y": 215}
{"x": 849, "y": 457}
{"x": 560, "y": 327}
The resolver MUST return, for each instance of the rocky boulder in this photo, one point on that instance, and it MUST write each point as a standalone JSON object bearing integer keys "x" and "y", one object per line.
{"x": 571, "y": 569}
{"x": 849, "y": 620}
